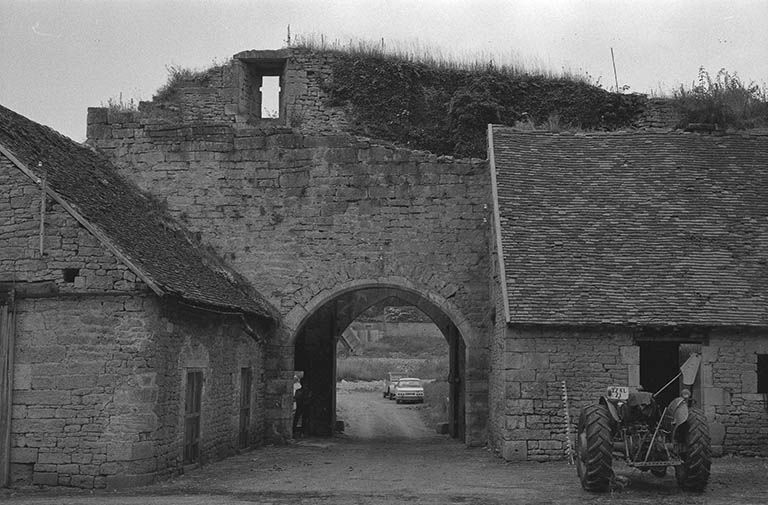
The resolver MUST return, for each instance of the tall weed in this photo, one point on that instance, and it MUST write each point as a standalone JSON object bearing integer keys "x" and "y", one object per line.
{"x": 724, "y": 101}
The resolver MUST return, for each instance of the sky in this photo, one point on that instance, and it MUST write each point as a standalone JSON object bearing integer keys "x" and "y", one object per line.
{"x": 59, "y": 57}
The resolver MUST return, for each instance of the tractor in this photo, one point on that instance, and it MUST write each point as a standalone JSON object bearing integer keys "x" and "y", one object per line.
{"x": 634, "y": 427}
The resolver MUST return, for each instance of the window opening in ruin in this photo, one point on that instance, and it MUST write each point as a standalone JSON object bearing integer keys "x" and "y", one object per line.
{"x": 762, "y": 373}
{"x": 245, "y": 406}
{"x": 69, "y": 274}
{"x": 192, "y": 409}
{"x": 270, "y": 97}
{"x": 262, "y": 93}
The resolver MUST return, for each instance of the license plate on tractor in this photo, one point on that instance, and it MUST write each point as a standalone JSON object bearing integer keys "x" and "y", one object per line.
{"x": 618, "y": 392}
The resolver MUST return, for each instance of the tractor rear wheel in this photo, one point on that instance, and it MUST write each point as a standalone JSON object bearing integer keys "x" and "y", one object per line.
{"x": 594, "y": 446}
{"x": 695, "y": 452}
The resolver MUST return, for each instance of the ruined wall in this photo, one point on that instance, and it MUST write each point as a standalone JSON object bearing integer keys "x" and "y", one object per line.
{"x": 228, "y": 94}
{"x": 301, "y": 211}
{"x": 659, "y": 114}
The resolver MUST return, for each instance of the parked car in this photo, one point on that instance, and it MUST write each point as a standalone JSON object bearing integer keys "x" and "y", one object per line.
{"x": 389, "y": 384}
{"x": 409, "y": 389}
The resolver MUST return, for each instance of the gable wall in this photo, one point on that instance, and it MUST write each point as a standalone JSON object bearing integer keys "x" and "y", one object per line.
{"x": 66, "y": 243}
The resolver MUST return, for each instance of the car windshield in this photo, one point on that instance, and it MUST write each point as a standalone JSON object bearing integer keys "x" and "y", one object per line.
{"x": 409, "y": 384}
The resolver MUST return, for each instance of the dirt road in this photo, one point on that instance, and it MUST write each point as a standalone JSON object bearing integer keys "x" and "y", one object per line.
{"x": 395, "y": 469}
{"x": 367, "y": 415}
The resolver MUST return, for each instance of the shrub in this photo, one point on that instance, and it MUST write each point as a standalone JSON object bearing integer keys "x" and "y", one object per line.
{"x": 724, "y": 101}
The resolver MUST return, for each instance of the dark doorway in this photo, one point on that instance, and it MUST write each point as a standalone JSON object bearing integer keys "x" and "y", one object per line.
{"x": 659, "y": 364}
{"x": 316, "y": 349}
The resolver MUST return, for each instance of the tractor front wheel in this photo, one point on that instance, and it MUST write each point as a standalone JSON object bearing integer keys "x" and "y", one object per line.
{"x": 594, "y": 446}
{"x": 695, "y": 452}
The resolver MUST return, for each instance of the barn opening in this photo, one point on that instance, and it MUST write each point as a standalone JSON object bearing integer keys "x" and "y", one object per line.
{"x": 660, "y": 363}
{"x": 328, "y": 334}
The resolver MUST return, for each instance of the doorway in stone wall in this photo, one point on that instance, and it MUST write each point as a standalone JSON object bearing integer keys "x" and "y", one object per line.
{"x": 325, "y": 335}
{"x": 660, "y": 362}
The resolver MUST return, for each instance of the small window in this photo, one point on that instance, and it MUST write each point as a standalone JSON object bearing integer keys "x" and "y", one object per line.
{"x": 69, "y": 274}
{"x": 762, "y": 373}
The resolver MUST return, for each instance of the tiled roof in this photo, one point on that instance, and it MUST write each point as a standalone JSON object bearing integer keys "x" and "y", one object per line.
{"x": 144, "y": 233}
{"x": 643, "y": 228}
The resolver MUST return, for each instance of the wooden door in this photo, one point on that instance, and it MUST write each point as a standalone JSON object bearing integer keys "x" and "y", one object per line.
{"x": 192, "y": 410}
{"x": 7, "y": 342}
{"x": 245, "y": 407}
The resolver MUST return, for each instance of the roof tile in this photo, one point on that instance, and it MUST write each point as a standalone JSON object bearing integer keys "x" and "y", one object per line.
{"x": 140, "y": 228}
{"x": 648, "y": 228}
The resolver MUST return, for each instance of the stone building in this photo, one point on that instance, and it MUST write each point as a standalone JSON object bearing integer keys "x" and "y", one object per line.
{"x": 608, "y": 256}
{"x": 615, "y": 256}
{"x": 128, "y": 350}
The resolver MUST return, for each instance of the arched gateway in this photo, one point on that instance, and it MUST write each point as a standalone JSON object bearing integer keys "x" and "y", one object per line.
{"x": 315, "y": 337}
{"x": 320, "y": 222}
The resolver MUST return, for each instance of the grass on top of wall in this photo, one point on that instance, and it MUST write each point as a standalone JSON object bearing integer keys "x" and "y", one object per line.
{"x": 419, "y": 98}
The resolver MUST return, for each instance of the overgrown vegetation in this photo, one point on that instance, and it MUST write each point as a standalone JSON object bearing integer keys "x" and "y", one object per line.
{"x": 444, "y": 107}
{"x": 119, "y": 105}
{"x": 178, "y": 76}
{"x": 724, "y": 101}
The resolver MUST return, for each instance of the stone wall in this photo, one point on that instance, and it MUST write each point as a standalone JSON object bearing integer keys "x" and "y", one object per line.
{"x": 370, "y": 332}
{"x": 72, "y": 356}
{"x": 536, "y": 362}
{"x": 659, "y": 114}
{"x": 737, "y": 413}
{"x": 98, "y": 396}
{"x": 66, "y": 244}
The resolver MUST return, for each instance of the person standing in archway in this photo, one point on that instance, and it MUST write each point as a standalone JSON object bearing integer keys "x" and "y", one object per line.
{"x": 303, "y": 399}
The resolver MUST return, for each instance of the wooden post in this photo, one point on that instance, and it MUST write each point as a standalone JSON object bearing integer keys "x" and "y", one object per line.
{"x": 42, "y": 216}
{"x": 7, "y": 342}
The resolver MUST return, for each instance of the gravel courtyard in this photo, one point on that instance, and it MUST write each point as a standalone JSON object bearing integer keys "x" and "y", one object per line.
{"x": 412, "y": 466}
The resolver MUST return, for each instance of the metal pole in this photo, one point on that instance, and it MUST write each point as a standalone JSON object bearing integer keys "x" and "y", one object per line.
{"x": 614, "y": 71}
{"x": 567, "y": 424}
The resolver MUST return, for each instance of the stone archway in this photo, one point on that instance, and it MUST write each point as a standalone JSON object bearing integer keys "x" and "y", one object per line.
{"x": 321, "y": 321}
